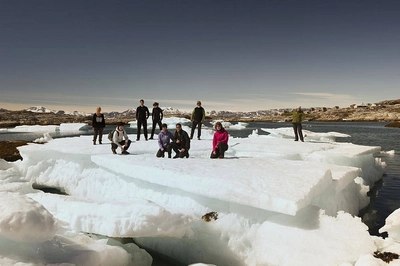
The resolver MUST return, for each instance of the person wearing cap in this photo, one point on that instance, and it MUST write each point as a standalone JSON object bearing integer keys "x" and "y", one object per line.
{"x": 296, "y": 122}
{"x": 118, "y": 140}
{"x": 219, "y": 142}
{"x": 142, "y": 114}
{"x": 164, "y": 139}
{"x": 156, "y": 116}
{"x": 197, "y": 118}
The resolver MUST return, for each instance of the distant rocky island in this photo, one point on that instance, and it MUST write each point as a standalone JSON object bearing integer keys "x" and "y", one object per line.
{"x": 385, "y": 111}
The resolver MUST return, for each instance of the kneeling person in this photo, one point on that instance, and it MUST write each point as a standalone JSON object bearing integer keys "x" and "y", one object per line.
{"x": 220, "y": 142}
{"x": 118, "y": 140}
{"x": 164, "y": 138}
{"x": 181, "y": 144}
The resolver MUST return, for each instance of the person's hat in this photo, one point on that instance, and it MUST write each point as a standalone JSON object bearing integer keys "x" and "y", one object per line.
{"x": 155, "y": 103}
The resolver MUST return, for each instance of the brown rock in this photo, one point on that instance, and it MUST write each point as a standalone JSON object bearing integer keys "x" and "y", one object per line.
{"x": 9, "y": 151}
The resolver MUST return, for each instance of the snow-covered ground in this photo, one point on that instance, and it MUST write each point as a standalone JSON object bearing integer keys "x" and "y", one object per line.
{"x": 271, "y": 201}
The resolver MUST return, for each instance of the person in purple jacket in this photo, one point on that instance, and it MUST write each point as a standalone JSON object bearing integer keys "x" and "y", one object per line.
{"x": 220, "y": 142}
{"x": 164, "y": 139}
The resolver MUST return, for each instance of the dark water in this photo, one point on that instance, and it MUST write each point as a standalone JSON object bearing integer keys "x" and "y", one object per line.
{"x": 385, "y": 198}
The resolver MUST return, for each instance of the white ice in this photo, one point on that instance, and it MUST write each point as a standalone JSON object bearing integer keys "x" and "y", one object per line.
{"x": 229, "y": 125}
{"x": 287, "y": 132}
{"x": 278, "y": 202}
{"x": 64, "y": 127}
{"x": 46, "y": 138}
{"x": 170, "y": 121}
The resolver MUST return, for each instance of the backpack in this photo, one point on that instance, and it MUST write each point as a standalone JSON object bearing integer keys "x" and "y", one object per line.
{"x": 111, "y": 134}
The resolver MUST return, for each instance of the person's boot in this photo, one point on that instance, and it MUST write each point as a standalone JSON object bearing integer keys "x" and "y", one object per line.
{"x": 100, "y": 142}
{"x": 94, "y": 142}
{"x": 113, "y": 151}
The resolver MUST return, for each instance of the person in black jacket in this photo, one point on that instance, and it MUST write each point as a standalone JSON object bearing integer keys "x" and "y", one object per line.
{"x": 142, "y": 114}
{"x": 181, "y": 144}
{"x": 197, "y": 118}
{"x": 98, "y": 124}
{"x": 156, "y": 116}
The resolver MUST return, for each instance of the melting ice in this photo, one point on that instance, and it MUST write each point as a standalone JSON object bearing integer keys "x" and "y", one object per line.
{"x": 274, "y": 202}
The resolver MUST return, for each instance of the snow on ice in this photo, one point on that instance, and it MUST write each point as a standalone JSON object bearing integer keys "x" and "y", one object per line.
{"x": 271, "y": 201}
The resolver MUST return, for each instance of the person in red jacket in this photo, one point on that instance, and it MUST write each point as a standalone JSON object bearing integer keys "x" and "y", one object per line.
{"x": 220, "y": 142}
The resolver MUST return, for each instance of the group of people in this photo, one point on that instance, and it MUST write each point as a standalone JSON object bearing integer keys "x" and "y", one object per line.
{"x": 179, "y": 142}
{"x": 143, "y": 113}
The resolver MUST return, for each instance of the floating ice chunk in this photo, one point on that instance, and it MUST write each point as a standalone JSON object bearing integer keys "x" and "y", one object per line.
{"x": 392, "y": 152}
{"x": 287, "y": 132}
{"x": 36, "y": 128}
{"x": 229, "y": 125}
{"x": 170, "y": 121}
{"x": 73, "y": 127}
{"x": 46, "y": 138}
{"x": 25, "y": 220}
{"x": 50, "y": 128}
{"x": 239, "y": 126}
{"x": 392, "y": 225}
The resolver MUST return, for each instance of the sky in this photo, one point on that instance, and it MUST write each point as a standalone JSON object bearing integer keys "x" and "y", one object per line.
{"x": 231, "y": 55}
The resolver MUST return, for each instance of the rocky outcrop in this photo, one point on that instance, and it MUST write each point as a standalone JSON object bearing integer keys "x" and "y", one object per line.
{"x": 16, "y": 118}
{"x": 8, "y": 150}
{"x": 378, "y": 112}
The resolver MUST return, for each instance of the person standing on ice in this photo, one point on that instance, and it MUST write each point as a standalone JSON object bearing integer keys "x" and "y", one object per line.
{"x": 296, "y": 122}
{"x": 164, "y": 139}
{"x": 142, "y": 114}
{"x": 156, "y": 116}
{"x": 197, "y": 118}
{"x": 98, "y": 125}
{"x": 181, "y": 144}
{"x": 118, "y": 140}
{"x": 219, "y": 142}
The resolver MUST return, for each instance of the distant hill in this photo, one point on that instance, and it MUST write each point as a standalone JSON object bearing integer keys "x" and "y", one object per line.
{"x": 41, "y": 109}
{"x": 388, "y": 111}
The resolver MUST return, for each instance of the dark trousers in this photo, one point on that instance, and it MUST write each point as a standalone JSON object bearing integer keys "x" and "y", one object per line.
{"x": 176, "y": 147}
{"x": 194, "y": 124}
{"x": 298, "y": 131}
{"x": 115, "y": 146}
{"x": 141, "y": 122}
{"x": 154, "y": 127}
{"x": 221, "y": 149}
{"x": 98, "y": 131}
{"x": 160, "y": 153}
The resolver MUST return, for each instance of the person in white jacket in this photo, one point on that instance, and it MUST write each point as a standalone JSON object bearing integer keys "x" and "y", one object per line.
{"x": 118, "y": 140}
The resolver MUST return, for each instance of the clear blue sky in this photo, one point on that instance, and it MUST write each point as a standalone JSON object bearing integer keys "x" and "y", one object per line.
{"x": 231, "y": 55}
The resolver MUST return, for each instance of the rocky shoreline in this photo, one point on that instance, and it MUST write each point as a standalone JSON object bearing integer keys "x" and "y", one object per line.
{"x": 9, "y": 151}
{"x": 376, "y": 113}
